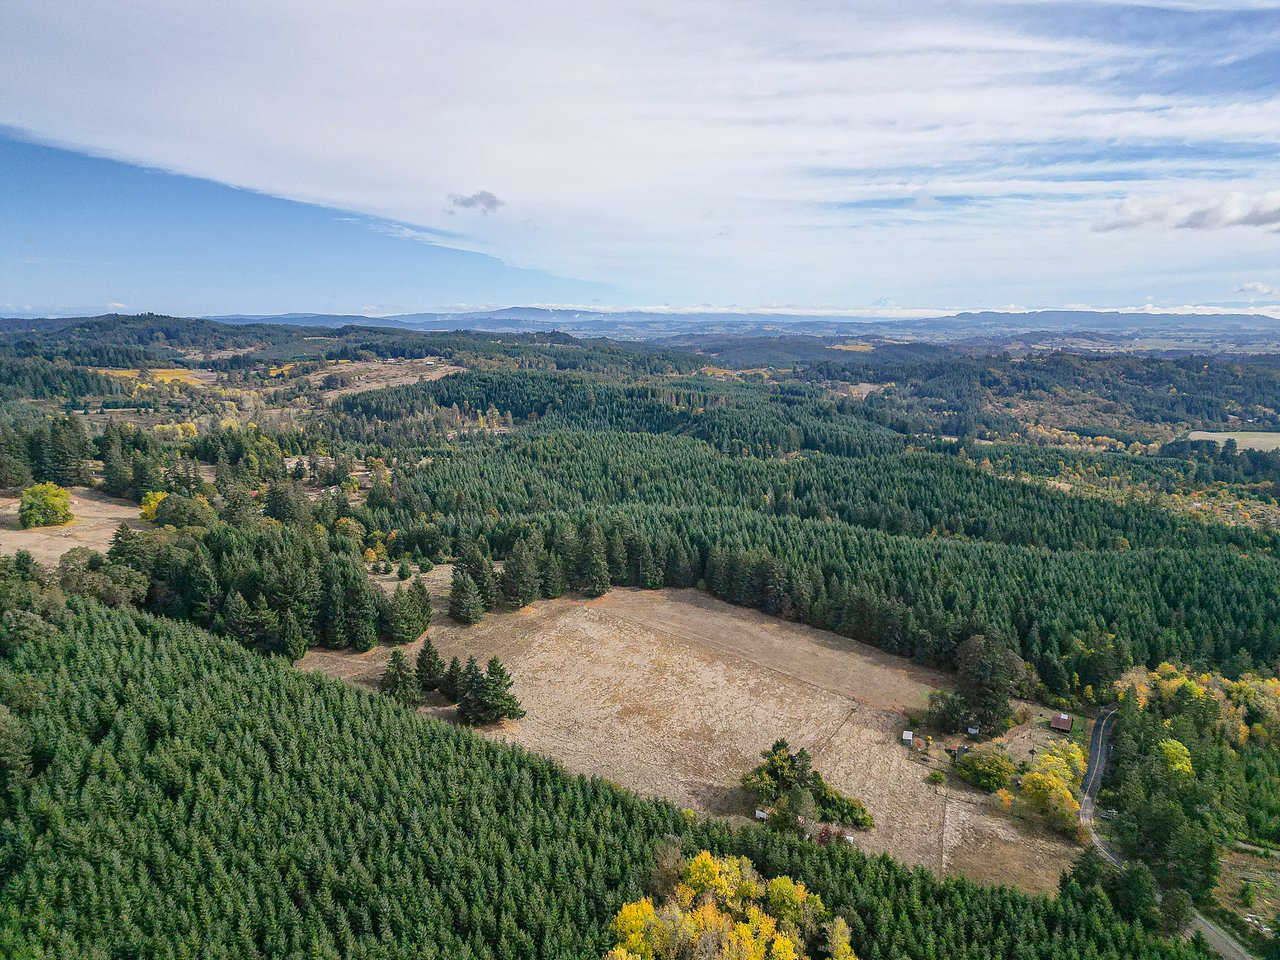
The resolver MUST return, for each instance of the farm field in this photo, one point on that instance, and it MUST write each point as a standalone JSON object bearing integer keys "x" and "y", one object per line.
{"x": 191, "y": 377}
{"x": 674, "y": 694}
{"x": 1245, "y": 439}
{"x": 96, "y": 519}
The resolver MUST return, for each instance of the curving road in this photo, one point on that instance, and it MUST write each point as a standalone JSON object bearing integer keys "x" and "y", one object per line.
{"x": 1223, "y": 943}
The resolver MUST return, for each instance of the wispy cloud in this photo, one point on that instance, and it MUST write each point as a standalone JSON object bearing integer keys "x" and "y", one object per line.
{"x": 1233, "y": 210}
{"x": 726, "y": 150}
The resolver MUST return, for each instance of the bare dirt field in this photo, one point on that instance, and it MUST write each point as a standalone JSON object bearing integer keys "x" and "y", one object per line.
{"x": 96, "y": 519}
{"x": 674, "y": 694}
{"x": 375, "y": 374}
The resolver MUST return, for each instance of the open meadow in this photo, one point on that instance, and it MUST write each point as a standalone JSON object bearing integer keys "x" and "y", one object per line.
{"x": 674, "y": 694}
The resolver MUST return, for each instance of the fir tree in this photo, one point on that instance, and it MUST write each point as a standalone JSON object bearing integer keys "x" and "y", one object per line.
{"x": 431, "y": 668}
{"x": 399, "y": 682}
{"x": 498, "y": 702}
{"x": 595, "y": 564}
{"x": 553, "y": 582}
{"x": 465, "y": 604}
{"x": 237, "y": 621}
{"x": 451, "y": 682}
{"x": 471, "y": 692}
{"x": 292, "y": 641}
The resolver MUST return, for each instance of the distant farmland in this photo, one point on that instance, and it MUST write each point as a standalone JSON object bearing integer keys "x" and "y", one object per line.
{"x": 1245, "y": 439}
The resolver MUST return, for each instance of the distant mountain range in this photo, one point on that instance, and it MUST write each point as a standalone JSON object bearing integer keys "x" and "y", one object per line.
{"x": 641, "y": 324}
{"x": 1241, "y": 334}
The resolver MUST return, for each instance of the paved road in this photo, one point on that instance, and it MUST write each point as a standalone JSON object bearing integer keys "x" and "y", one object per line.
{"x": 1222, "y": 942}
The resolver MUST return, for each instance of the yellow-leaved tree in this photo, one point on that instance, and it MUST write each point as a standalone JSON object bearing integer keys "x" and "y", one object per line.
{"x": 721, "y": 908}
{"x": 1052, "y": 785}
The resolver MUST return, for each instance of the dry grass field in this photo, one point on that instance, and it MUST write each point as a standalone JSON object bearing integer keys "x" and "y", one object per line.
{"x": 96, "y": 519}
{"x": 674, "y": 694}
{"x": 1245, "y": 439}
{"x": 189, "y": 376}
{"x": 375, "y": 374}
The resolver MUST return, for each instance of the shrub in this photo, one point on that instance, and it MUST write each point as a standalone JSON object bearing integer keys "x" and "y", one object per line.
{"x": 988, "y": 768}
{"x": 936, "y": 777}
{"x": 44, "y": 505}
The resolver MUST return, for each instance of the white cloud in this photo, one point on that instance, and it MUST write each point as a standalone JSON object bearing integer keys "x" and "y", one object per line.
{"x": 1258, "y": 290}
{"x": 717, "y": 150}
{"x": 1235, "y": 209}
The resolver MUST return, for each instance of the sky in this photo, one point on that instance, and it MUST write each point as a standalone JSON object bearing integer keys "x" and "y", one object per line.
{"x": 881, "y": 158}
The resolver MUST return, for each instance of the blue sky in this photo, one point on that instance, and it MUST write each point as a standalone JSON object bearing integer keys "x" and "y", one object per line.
{"x": 875, "y": 157}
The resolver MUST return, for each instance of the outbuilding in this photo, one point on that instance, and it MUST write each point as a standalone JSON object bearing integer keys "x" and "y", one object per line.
{"x": 1063, "y": 722}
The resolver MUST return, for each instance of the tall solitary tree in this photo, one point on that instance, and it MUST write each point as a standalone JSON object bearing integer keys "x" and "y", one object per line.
{"x": 465, "y": 603}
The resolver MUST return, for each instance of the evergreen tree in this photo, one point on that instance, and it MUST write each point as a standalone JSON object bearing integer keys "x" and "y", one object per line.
{"x": 430, "y": 667}
{"x": 595, "y": 564}
{"x": 293, "y": 642}
{"x": 471, "y": 692}
{"x": 404, "y": 572}
{"x": 475, "y": 562}
{"x": 451, "y": 682}
{"x": 420, "y": 598}
{"x": 203, "y": 588}
{"x": 465, "y": 603}
{"x": 497, "y": 701}
{"x": 117, "y": 472}
{"x": 522, "y": 575}
{"x": 553, "y": 581}
{"x": 237, "y": 621}
{"x": 399, "y": 681}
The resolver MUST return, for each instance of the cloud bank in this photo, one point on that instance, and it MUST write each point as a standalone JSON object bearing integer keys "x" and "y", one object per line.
{"x": 717, "y": 151}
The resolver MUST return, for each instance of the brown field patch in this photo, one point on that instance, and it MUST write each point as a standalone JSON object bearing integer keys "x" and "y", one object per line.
{"x": 191, "y": 377}
{"x": 1245, "y": 439}
{"x": 375, "y": 374}
{"x": 674, "y": 694}
{"x": 96, "y": 519}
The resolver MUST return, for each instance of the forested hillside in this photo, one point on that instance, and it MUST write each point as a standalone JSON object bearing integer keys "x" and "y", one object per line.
{"x": 167, "y": 794}
{"x": 172, "y": 792}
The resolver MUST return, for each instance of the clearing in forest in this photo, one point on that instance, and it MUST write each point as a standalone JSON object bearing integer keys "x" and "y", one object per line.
{"x": 96, "y": 518}
{"x": 674, "y": 694}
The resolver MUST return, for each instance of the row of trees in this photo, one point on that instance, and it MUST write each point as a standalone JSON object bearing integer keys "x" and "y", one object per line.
{"x": 483, "y": 696}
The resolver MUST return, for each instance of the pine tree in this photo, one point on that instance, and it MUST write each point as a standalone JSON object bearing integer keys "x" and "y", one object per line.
{"x": 471, "y": 692}
{"x": 293, "y": 642}
{"x": 399, "y": 682}
{"x": 430, "y": 666}
{"x": 420, "y": 597}
{"x": 405, "y": 622}
{"x": 203, "y": 588}
{"x": 553, "y": 582}
{"x": 451, "y": 682}
{"x": 477, "y": 565}
{"x": 522, "y": 575}
{"x": 595, "y": 565}
{"x": 117, "y": 473}
{"x": 403, "y": 572}
{"x": 237, "y": 620}
{"x": 465, "y": 604}
{"x": 263, "y": 622}
{"x": 498, "y": 702}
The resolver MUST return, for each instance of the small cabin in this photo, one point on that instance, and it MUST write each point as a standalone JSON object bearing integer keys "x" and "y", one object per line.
{"x": 1063, "y": 722}
{"x": 762, "y": 814}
